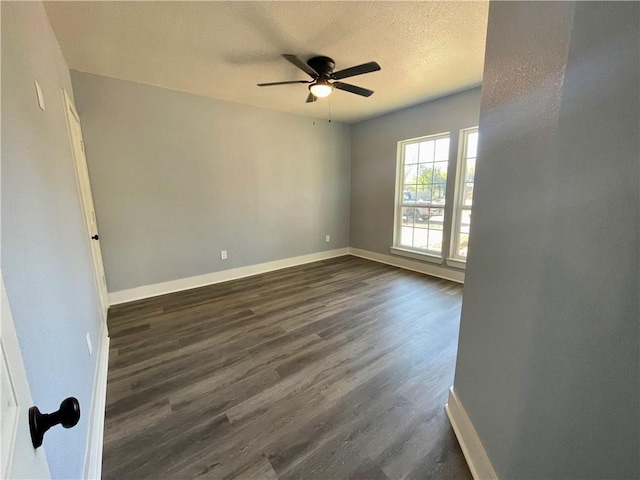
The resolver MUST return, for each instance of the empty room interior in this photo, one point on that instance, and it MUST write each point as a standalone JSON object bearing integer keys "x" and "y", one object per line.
{"x": 320, "y": 240}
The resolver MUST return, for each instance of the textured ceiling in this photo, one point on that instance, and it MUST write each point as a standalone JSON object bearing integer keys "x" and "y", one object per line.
{"x": 222, "y": 49}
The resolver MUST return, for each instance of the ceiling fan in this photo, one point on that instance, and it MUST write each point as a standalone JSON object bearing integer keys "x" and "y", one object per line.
{"x": 320, "y": 69}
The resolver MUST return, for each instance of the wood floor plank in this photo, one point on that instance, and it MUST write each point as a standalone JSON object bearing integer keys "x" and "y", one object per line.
{"x": 231, "y": 453}
{"x": 330, "y": 370}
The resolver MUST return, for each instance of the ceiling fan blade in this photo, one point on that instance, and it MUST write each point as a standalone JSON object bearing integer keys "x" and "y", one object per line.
{"x": 281, "y": 83}
{"x": 301, "y": 65}
{"x": 365, "y": 92}
{"x": 357, "y": 70}
{"x": 311, "y": 98}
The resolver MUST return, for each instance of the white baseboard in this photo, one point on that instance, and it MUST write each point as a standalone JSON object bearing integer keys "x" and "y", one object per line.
{"x": 95, "y": 436}
{"x": 408, "y": 264}
{"x": 470, "y": 443}
{"x": 148, "y": 291}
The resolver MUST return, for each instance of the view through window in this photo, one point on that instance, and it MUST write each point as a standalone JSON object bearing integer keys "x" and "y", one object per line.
{"x": 421, "y": 203}
{"x": 423, "y": 173}
{"x": 464, "y": 190}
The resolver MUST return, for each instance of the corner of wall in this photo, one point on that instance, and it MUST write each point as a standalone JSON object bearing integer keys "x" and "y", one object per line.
{"x": 472, "y": 448}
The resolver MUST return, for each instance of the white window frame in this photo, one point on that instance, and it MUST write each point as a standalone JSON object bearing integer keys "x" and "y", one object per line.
{"x": 421, "y": 254}
{"x": 454, "y": 259}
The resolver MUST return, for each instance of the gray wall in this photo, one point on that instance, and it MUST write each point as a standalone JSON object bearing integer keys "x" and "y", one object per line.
{"x": 178, "y": 177}
{"x": 548, "y": 365}
{"x": 46, "y": 261}
{"x": 374, "y": 159}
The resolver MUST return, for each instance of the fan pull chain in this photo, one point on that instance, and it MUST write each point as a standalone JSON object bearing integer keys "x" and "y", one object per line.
{"x": 315, "y": 110}
{"x": 329, "y": 108}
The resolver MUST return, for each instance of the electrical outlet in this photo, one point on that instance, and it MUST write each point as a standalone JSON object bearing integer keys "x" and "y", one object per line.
{"x": 327, "y": 238}
{"x": 89, "y": 345}
{"x": 223, "y": 254}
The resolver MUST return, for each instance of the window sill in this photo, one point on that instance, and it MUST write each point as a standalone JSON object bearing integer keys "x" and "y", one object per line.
{"x": 426, "y": 257}
{"x": 456, "y": 263}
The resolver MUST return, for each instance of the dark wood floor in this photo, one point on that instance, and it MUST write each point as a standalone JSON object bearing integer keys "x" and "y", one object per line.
{"x": 336, "y": 369}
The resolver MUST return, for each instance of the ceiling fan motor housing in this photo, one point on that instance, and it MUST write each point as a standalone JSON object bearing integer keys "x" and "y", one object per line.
{"x": 323, "y": 65}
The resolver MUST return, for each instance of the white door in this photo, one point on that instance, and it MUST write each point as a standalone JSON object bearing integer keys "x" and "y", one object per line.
{"x": 19, "y": 458}
{"x": 86, "y": 199}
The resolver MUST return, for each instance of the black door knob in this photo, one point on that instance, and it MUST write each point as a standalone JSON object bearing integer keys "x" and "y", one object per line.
{"x": 95, "y": 237}
{"x": 68, "y": 415}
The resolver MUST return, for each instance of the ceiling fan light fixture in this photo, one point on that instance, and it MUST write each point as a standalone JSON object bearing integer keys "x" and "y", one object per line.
{"x": 321, "y": 89}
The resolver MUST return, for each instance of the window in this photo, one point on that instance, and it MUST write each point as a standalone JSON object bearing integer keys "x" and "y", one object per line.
{"x": 422, "y": 184}
{"x": 422, "y": 219}
{"x": 464, "y": 193}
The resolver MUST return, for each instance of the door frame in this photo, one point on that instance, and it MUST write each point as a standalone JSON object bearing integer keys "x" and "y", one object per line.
{"x": 87, "y": 205}
{"x": 19, "y": 458}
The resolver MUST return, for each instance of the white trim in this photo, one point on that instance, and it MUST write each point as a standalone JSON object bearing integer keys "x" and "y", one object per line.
{"x": 407, "y": 264}
{"x": 458, "y": 199}
{"x": 95, "y": 435}
{"x": 397, "y": 211}
{"x": 154, "y": 290}
{"x": 470, "y": 443}
{"x": 455, "y": 263}
{"x": 425, "y": 257}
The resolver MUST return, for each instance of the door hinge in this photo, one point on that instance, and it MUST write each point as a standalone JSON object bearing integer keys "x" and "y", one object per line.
{"x": 104, "y": 281}
{"x": 82, "y": 145}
